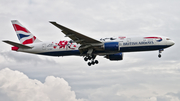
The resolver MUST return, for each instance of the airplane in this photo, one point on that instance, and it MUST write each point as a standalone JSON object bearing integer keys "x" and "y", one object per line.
{"x": 81, "y": 45}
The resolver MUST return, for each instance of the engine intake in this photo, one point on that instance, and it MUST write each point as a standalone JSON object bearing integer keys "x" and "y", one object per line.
{"x": 118, "y": 56}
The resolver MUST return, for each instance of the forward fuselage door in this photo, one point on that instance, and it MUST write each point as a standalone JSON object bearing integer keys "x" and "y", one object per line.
{"x": 43, "y": 46}
{"x": 120, "y": 45}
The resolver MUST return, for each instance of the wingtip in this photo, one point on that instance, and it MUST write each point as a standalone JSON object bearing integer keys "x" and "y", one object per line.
{"x": 4, "y": 40}
{"x": 14, "y": 20}
{"x": 52, "y": 21}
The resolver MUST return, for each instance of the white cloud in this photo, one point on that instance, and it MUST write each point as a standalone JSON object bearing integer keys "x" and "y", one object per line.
{"x": 18, "y": 87}
{"x": 124, "y": 80}
{"x": 119, "y": 92}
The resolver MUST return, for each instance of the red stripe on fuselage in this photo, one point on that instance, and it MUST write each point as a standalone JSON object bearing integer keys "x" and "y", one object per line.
{"x": 153, "y": 37}
{"x": 19, "y": 28}
{"x": 29, "y": 41}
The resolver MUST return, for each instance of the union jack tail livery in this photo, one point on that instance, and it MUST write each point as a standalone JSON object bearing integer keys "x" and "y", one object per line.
{"x": 23, "y": 34}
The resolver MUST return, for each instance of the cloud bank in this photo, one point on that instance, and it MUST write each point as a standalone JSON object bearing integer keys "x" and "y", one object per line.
{"x": 18, "y": 87}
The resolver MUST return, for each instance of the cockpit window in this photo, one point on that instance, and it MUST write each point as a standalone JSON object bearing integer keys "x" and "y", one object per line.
{"x": 168, "y": 39}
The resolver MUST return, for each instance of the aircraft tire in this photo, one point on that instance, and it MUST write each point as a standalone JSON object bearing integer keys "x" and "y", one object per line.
{"x": 85, "y": 59}
{"x": 159, "y": 55}
{"x": 89, "y": 64}
{"x": 92, "y": 62}
{"x": 96, "y": 61}
{"x": 89, "y": 57}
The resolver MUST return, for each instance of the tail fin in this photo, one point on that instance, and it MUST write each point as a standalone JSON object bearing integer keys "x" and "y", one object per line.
{"x": 24, "y": 36}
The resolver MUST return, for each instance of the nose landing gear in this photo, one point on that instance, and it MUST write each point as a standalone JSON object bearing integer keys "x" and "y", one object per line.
{"x": 160, "y": 51}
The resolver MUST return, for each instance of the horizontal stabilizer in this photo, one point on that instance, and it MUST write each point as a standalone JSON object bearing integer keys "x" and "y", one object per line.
{"x": 17, "y": 44}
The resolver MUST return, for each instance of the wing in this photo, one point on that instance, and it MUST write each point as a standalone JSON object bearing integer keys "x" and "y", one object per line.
{"x": 75, "y": 36}
{"x": 17, "y": 44}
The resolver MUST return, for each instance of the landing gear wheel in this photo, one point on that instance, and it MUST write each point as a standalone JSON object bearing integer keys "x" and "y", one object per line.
{"x": 85, "y": 59}
{"x": 159, "y": 55}
{"x": 96, "y": 61}
{"x": 89, "y": 57}
{"x": 89, "y": 64}
{"x": 92, "y": 62}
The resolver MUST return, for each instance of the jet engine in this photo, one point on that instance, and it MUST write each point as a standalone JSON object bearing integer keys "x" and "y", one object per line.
{"x": 118, "y": 56}
{"x": 111, "y": 46}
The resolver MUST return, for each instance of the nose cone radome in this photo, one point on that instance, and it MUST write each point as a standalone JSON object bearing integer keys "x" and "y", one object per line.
{"x": 171, "y": 43}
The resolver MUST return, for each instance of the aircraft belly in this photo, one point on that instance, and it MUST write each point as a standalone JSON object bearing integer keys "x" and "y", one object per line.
{"x": 61, "y": 53}
{"x": 122, "y": 49}
{"x": 142, "y": 48}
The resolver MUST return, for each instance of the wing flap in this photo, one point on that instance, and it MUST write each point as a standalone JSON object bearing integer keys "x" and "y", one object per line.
{"x": 17, "y": 44}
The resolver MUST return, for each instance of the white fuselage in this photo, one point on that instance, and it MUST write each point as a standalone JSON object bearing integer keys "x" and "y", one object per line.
{"x": 125, "y": 44}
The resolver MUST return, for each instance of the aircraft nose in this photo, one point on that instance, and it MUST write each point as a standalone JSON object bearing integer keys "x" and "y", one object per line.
{"x": 171, "y": 43}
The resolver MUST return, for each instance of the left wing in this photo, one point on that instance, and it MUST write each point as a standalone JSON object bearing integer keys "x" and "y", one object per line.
{"x": 75, "y": 36}
{"x": 17, "y": 44}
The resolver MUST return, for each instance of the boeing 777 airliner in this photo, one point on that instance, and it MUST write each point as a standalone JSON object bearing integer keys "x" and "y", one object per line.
{"x": 81, "y": 45}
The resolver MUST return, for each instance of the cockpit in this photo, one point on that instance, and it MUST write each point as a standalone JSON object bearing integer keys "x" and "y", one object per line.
{"x": 168, "y": 39}
{"x": 170, "y": 42}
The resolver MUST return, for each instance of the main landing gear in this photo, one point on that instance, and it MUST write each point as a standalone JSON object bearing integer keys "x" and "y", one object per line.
{"x": 160, "y": 51}
{"x": 92, "y": 61}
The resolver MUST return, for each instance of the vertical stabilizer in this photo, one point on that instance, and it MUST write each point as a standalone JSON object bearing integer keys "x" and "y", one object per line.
{"x": 23, "y": 34}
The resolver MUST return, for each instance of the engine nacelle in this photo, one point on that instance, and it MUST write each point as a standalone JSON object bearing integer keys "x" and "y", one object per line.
{"x": 111, "y": 46}
{"x": 118, "y": 56}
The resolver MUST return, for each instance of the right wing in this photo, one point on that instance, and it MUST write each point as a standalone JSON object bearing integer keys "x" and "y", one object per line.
{"x": 87, "y": 44}
{"x": 75, "y": 36}
{"x": 17, "y": 44}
